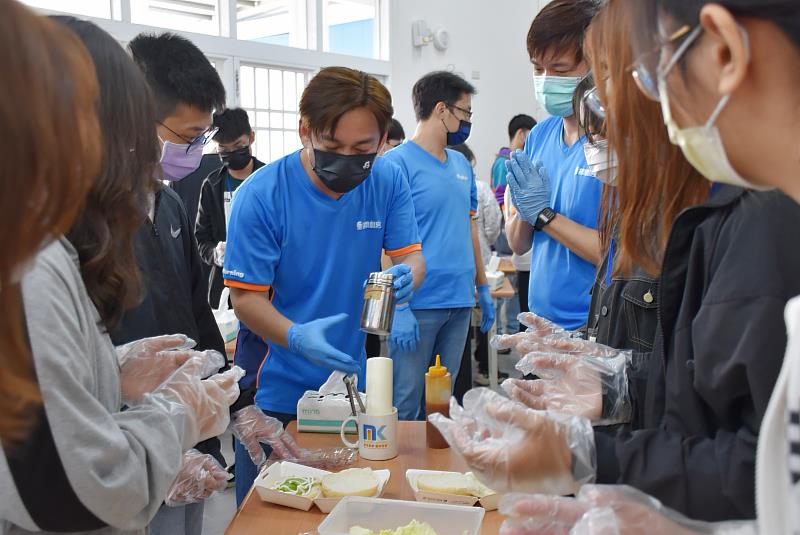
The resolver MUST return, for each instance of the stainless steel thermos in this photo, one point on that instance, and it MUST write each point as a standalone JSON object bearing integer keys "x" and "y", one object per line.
{"x": 378, "y": 310}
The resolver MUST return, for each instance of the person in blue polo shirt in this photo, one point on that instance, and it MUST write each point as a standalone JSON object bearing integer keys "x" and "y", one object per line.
{"x": 305, "y": 232}
{"x": 556, "y": 196}
{"x": 445, "y": 200}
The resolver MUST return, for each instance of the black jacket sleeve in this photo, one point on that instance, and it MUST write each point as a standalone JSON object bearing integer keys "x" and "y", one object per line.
{"x": 204, "y": 227}
{"x": 210, "y": 337}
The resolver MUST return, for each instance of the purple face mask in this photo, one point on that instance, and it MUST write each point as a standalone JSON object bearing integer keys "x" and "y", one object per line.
{"x": 177, "y": 162}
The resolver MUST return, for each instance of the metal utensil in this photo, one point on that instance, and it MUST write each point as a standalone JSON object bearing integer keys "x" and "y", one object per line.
{"x": 354, "y": 395}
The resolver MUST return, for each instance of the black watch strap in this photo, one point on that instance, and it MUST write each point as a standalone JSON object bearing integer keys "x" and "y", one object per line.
{"x": 545, "y": 217}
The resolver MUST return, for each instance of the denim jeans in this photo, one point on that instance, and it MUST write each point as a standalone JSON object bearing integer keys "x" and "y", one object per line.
{"x": 182, "y": 520}
{"x": 246, "y": 470}
{"x": 442, "y": 332}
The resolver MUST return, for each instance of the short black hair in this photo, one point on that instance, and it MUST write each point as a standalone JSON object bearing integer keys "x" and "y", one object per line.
{"x": 233, "y": 123}
{"x": 520, "y": 122}
{"x": 562, "y": 25}
{"x": 396, "y": 130}
{"x": 177, "y": 73}
{"x": 435, "y": 87}
{"x": 465, "y": 150}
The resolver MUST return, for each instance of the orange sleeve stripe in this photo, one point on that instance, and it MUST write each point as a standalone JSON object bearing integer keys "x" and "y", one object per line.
{"x": 247, "y": 286}
{"x": 414, "y": 247}
{"x": 472, "y": 212}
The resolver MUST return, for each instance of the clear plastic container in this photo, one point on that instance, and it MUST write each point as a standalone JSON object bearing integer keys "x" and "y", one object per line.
{"x": 377, "y": 514}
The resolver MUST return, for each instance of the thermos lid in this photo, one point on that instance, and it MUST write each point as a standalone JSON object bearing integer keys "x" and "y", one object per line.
{"x": 438, "y": 370}
{"x": 380, "y": 277}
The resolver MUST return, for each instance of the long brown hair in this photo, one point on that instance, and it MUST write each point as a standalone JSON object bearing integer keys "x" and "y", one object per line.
{"x": 654, "y": 180}
{"x": 117, "y": 203}
{"x": 49, "y": 160}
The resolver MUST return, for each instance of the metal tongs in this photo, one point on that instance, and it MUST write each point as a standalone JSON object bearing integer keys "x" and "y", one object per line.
{"x": 353, "y": 394}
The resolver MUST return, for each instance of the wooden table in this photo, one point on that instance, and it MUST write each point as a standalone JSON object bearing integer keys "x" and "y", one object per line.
{"x": 256, "y": 517}
{"x": 506, "y": 291}
{"x": 506, "y": 266}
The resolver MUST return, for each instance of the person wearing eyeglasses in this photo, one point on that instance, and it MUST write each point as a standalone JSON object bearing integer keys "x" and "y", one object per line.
{"x": 556, "y": 196}
{"x": 443, "y": 189}
{"x": 187, "y": 90}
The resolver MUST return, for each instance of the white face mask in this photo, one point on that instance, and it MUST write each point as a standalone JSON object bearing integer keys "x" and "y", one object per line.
{"x": 601, "y": 161}
{"x": 701, "y": 145}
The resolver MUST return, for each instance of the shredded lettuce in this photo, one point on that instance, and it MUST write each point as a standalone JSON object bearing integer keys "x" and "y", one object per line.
{"x": 413, "y": 528}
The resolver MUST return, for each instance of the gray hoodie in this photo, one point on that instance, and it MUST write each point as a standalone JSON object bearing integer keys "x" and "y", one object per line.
{"x": 87, "y": 463}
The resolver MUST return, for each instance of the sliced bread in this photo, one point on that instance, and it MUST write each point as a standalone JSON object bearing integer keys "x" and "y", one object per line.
{"x": 446, "y": 483}
{"x": 350, "y": 482}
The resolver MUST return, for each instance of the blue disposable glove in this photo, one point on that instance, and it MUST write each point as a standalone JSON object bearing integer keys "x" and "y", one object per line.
{"x": 308, "y": 339}
{"x": 530, "y": 186}
{"x": 405, "y": 330}
{"x": 403, "y": 283}
{"x": 486, "y": 303}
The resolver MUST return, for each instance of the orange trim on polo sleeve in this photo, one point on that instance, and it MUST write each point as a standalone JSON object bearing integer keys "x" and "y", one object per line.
{"x": 472, "y": 212}
{"x": 413, "y": 248}
{"x": 247, "y": 286}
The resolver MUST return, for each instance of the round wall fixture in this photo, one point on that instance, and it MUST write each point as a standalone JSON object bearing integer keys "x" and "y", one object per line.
{"x": 441, "y": 38}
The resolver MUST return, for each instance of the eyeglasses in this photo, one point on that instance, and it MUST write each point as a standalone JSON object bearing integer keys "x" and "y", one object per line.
{"x": 468, "y": 113}
{"x": 202, "y": 139}
{"x": 591, "y": 100}
{"x": 645, "y": 70}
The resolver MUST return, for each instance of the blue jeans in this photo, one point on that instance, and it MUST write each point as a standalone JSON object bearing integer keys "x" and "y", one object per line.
{"x": 441, "y": 332}
{"x": 181, "y": 520}
{"x": 246, "y": 470}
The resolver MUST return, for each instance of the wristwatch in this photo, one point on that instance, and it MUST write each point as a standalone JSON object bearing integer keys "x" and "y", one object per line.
{"x": 545, "y": 217}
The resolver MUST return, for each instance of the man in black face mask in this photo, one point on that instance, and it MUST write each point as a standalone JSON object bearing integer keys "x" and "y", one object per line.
{"x": 305, "y": 232}
{"x": 235, "y": 140}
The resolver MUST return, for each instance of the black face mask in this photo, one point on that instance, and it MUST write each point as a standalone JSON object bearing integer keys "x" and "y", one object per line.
{"x": 342, "y": 173}
{"x": 236, "y": 160}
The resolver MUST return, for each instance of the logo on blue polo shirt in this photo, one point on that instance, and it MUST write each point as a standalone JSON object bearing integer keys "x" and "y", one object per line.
{"x": 232, "y": 273}
{"x": 462, "y": 177}
{"x": 583, "y": 171}
{"x": 366, "y": 225}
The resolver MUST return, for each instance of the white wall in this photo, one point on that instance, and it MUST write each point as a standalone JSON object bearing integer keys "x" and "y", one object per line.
{"x": 487, "y": 38}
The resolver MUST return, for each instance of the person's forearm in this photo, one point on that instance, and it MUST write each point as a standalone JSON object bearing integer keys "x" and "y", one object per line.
{"x": 416, "y": 262}
{"x": 255, "y": 310}
{"x": 583, "y": 241}
{"x": 480, "y": 272}
{"x": 519, "y": 234}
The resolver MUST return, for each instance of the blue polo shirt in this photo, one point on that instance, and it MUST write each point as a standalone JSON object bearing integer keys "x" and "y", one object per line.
{"x": 312, "y": 254}
{"x": 560, "y": 279}
{"x": 445, "y": 198}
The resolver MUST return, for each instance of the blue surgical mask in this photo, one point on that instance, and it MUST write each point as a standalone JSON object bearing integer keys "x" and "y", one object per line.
{"x": 460, "y": 136}
{"x": 555, "y": 93}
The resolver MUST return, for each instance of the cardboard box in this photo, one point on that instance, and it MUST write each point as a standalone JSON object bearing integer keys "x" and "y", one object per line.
{"x": 274, "y": 473}
{"x": 324, "y": 413}
{"x": 489, "y": 501}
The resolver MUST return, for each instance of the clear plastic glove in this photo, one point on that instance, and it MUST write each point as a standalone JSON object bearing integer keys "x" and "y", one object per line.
{"x": 205, "y": 402}
{"x": 405, "y": 329}
{"x": 199, "y": 477}
{"x": 145, "y": 364}
{"x": 541, "y": 327}
{"x": 595, "y": 388}
{"x": 403, "y": 283}
{"x": 486, "y": 303}
{"x": 604, "y": 510}
{"x": 530, "y": 186}
{"x": 308, "y": 339}
{"x": 252, "y": 428}
{"x": 219, "y": 254}
{"x": 511, "y": 448}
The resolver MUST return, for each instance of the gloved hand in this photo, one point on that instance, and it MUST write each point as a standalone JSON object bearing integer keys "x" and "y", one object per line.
{"x": 403, "y": 283}
{"x": 145, "y": 364}
{"x": 199, "y": 477}
{"x": 575, "y": 385}
{"x": 530, "y": 186}
{"x": 204, "y": 402}
{"x": 252, "y": 428}
{"x": 308, "y": 339}
{"x": 605, "y": 510}
{"x": 541, "y": 327}
{"x": 405, "y": 329}
{"x": 219, "y": 254}
{"x": 486, "y": 303}
{"x": 511, "y": 448}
